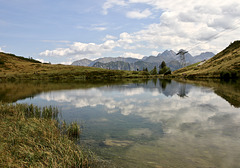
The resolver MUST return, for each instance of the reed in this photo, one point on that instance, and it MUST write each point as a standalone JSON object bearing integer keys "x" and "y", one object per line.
{"x": 73, "y": 131}
{"x": 31, "y": 137}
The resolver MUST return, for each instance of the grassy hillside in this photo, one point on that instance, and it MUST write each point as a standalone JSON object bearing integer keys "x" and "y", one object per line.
{"x": 15, "y": 67}
{"x": 225, "y": 64}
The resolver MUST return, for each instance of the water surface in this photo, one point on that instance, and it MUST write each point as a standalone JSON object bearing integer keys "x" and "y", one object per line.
{"x": 155, "y": 123}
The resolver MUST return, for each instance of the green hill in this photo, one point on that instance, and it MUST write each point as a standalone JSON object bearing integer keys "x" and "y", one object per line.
{"x": 15, "y": 67}
{"x": 225, "y": 64}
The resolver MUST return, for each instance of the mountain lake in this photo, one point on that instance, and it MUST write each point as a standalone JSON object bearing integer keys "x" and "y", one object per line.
{"x": 153, "y": 123}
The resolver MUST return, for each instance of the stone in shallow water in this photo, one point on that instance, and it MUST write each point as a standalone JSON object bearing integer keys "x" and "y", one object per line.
{"x": 120, "y": 143}
{"x": 140, "y": 132}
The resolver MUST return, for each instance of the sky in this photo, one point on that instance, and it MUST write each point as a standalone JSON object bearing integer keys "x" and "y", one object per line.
{"x": 63, "y": 31}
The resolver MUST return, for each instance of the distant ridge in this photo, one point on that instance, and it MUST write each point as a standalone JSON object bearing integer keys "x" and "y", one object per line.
{"x": 83, "y": 62}
{"x": 169, "y": 56}
{"x": 87, "y": 62}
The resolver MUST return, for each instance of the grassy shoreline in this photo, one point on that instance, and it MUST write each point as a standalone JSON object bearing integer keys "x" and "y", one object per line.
{"x": 32, "y": 137}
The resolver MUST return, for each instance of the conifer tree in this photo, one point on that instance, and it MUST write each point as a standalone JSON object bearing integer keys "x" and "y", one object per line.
{"x": 154, "y": 71}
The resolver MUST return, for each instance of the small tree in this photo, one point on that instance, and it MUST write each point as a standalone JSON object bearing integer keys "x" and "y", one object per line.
{"x": 154, "y": 71}
{"x": 163, "y": 69}
{"x": 163, "y": 64}
{"x": 145, "y": 69}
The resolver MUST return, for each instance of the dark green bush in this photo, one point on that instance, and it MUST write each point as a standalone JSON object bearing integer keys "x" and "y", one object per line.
{"x": 228, "y": 75}
{"x": 144, "y": 73}
{"x": 135, "y": 72}
{"x": 1, "y": 62}
{"x": 168, "y": 72}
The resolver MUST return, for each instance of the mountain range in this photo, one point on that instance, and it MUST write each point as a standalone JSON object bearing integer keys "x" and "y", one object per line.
{"x": 121, "y": 63}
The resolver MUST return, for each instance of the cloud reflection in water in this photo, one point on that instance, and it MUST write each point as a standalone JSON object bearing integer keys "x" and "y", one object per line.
{"x": 200, "y": 127}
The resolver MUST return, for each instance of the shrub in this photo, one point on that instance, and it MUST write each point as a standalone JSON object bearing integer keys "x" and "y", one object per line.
{"x": 165, "y": 70}
{"x": 1, "y": 62}
{"x": 144, "y": 73}
{"x": 228, "y": 74}
{"x": 135, "y": 72}
{"x": 168, "y": 72}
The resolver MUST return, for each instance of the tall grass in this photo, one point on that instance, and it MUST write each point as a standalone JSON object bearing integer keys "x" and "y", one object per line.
{"x": 31, "y": 137}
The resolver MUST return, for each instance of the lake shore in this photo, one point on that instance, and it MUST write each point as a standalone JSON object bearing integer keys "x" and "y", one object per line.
{"x": 32, "y": 137}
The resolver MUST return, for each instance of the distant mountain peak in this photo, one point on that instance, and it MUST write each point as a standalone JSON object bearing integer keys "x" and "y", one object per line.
{"x": 82, "y": 62}
{"x": 203, "y": 56}
{"x": 166, "y": 53}
{"x": 169, "y": 56}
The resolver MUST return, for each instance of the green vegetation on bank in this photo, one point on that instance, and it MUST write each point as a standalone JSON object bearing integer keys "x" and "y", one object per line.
{"x": 32, "y": 137}
{"x": 225, "y": 64}
{"x": 13, "y": 68}
{"x": 163, "y": 69}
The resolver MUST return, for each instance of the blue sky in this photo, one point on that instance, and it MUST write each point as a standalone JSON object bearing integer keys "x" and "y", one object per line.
{"x": 62, "y": 31}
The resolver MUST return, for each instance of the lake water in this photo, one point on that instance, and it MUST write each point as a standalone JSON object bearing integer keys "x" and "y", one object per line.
{"x": 155, "y": 123}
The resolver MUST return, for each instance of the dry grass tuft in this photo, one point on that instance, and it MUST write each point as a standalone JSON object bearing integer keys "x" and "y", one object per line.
{"x": 31, "y": 137}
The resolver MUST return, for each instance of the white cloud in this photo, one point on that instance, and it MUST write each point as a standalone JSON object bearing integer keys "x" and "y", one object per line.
{"x": 66, "y": 63}
{"x": 133, "y": 55}
{"x": 155, "y": 53}
{"x": 125, "y": 40}
{"x": 109, "y": 37}
{"x": 93, "y": 27}
{"x": 80, "y": 50}
{"x": 187, "y": 24}
{"x": 202, "y": 26}
{"x": 137, "y": 14}
{"x": 111, "y": 3}
{"x": 232, "y": 9}
{"x": 1, "y": 50}
{"x": 41, "y": 60}
{"x": 99, "y": 28}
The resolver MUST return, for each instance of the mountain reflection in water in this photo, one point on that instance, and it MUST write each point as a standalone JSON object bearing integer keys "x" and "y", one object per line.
{"x": 153, "y": 123}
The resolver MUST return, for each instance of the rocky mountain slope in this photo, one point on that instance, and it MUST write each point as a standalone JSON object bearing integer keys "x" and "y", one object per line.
{"x": 87, "y": 62}
{"x": 119, "y": 63}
